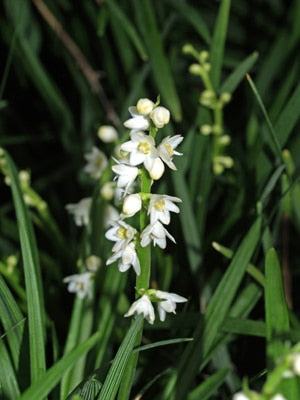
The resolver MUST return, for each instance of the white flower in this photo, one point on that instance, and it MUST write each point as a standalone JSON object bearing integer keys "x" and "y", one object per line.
{"x": 160, "y": 116}
{"x": 126, "y": 176}
{"x": 160, "y": 207}
{"x": 111, "y": 214}
{"x": 132, "y": 204}
{"x": 278, "y": 396}
{"x": 141, "y": 149}
{"x": 166, "y": 149}
{"x": 296, "y": 364}
{"x": 142, "y": 306}
{"x": 121, "y": 233}
{"x": 127, "y": 257}
{"x": 157, "y": 169}
{"x": 240, "y": 396}
{"x": 138, "y": 121}
{"x": 168, "y": 303}
{"x": 107, "y": 134}
{"x": 81, "y": 284}
{"x": 93, "y": 263}
{"x": 144, "y": 106}
{"x": 157, "y": 233}
{"x": 81, "y": 211}
{"x": 97, "y": 162}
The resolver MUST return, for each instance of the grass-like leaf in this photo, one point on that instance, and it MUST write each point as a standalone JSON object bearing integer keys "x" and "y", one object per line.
{"x": 207, "y": 332}
{"x": 113, "y": 379}
{"x": 36, "y": 311}
{"x": 160, "y": 65}
{"x": 9, "y": 385}
{"x": 49, "y": 380}
{"x": 12, "y": 321}
{"x": 117, "y": 13}
{"x": 209, "y": 386}
{"x": 218, "y": 42}
{"x": 233, "y": 80}
{"x": 277, "y": 314}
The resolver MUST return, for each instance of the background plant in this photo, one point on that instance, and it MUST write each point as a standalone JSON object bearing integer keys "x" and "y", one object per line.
{"x": 59, "y": 83}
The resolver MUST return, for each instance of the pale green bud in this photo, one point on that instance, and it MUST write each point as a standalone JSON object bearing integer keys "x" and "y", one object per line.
{"x": 196, "y": 69}
{"x": 207, "y": 67}
{"x": 24, "y": 178}
{"x": 216, "y": 129}
{"x": 207, "y": 98}
{"x": 203, "y": 56}
{"x": 206, "y": 129}
{"x": 225, "y": 97}
{"x": 224, "y": 140}
{"x": 132, "y": 204}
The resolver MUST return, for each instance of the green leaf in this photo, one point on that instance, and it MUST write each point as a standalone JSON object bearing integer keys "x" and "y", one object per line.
{"x": 218, "y": 42}
{"x": 244, "y": 327}
{"x": 193, "y": 17}
{"x": 113, "y": 379}
{"x": 33, "y": 283}
{"x": 161, "y": 343}
{"x": 158, "y": 60}
{"x": 206, "y": 333}
{"x": 288, "y": 117}
{"x": 49, "y": 380}
{"x": 277, "y": 314}
{"x": 9, "y": 388}
{"x": 238, "y": 74}
{"x": 209, "y": 386}
{"x": 12, "y": 321}
{"x": 117, "y": 13}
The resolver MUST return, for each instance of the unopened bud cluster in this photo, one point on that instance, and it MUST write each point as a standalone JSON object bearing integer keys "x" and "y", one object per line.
{"x": 142, "y": 156}
{"x": 215, "y": 102}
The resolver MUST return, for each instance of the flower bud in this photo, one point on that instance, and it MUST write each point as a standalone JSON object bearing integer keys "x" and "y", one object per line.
{"x": 157, "y": 169}
{"x": 132, "y": 204}
{"x": 206, "y": 129}
{"x": 196, "y": 69}
{"x": 93, "y": 263}
{"x": 108, "y": 190}
{"x": 225, "y": 97}
{"x": 160, "y": 116}
{"x": 144, "y": 106}
{"x": 203, "y": 56}
{"x": 107, "y": 134}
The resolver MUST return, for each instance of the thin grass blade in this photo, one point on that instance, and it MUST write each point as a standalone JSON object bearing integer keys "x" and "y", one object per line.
{"x": 33, "y": 283}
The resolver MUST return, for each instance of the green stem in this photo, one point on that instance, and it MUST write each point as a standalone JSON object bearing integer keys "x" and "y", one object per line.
{"x": 142, "y": 282}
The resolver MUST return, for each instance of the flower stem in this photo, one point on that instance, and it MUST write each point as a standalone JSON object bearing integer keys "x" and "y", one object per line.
{"x": 142, "y": 282}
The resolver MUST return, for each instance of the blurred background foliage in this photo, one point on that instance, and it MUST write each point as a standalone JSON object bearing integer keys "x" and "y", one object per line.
{"x": 68, "y": 67}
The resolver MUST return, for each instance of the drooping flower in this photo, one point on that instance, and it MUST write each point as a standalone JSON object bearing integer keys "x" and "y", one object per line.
{"x": 80, "y": 211}
{"x": 160, "y": 116}
{"x": 131, "y": 205}
{"x": 166, "y": 149}
{"x": 240, "y": 396}
{"x": 138, "y": 122}
{"x": 168, "y": 303}
{"x": 157, "y": 234}
{"x": 141, "y": 149}
{"x": 111, "y": 214}
{"x": 127, "y": 257}
{"x": 126, "y": 176}
{"x": 107, "y": 133}
{"x": 121, "y": 233}
{"x": 81, "y": 284}
{"x": 142, "y": 306}
{"x": 96, "y": 163}
{"x": 160, "y": 206}
{"x": 157, "y": 169}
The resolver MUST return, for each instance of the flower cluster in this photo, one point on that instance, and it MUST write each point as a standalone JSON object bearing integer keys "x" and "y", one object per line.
{"x": 215, "y": 102}
{"x": 142, "y": 158}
